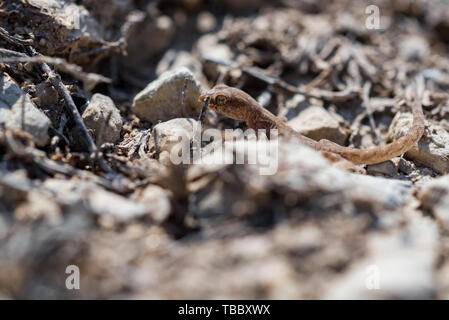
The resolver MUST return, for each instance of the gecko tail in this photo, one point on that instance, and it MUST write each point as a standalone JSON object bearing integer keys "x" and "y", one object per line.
{"x": 382, "y": 153}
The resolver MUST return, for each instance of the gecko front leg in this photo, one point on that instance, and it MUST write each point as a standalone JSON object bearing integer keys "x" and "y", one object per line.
{"x": 256, "y": 123}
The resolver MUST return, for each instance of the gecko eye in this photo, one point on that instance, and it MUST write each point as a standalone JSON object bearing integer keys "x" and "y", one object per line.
{"x": 221, "y": 100}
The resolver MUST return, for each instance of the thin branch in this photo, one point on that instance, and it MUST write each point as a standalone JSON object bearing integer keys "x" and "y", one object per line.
{"x": 120, "y": 45}
{"x": 31, "y": 154}
{"x": 89, "y": 80}
{"x": 11, "y": 53}
{"x": 56, "y": 81}
{"x": 335, "y": 96}
{"x": 14, "y": 40}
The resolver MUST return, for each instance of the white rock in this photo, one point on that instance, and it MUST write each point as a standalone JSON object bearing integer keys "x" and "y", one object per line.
{"x": 208, "y": 47}
{"x": 206, "y": 22}
{"x": 110, "y": 204}
{"x": 96, "y": 114}
{"x": 431, "y": 151}
{"x": 317, "y": 123}
{"x": 95, "y": 199}
{"x": 399, "y": 265}
{"x": 39, "y": 205}
{"x": 302, "y": 173}
{"x": 173, "y": 60}
{"x": 11, "y": 100}
{"x": 72, "y": 28}
{"x": 174, "y": 94}
{"x": 157, "y": 202}
{"x": 148, "y": 37}
{"x": 166, "y": 135}
{"x": 414, "y": 47}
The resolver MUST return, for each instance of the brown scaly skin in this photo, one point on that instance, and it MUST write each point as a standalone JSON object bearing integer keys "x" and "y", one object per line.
{"x": 236, "y": 104}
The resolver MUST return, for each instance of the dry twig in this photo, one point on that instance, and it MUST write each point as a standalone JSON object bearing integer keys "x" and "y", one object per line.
{"x": 90, "y": 80}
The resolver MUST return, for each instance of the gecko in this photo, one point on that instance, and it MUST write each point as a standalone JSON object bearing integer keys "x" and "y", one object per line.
{"x": 237, "y": 104}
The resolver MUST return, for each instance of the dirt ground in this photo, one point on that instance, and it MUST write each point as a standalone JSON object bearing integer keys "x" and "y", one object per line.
{"x": 94, "y": 93}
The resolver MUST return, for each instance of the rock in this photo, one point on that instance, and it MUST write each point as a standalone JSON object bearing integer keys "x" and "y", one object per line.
{"x": 393, "y": 259}
{"x": 206, "y": 22}
{"x": 163, "y": 30}
{"x": 317, "y": 123}
{"x": 322, "y": 26}
{"x": 414, "y": 47}
{"x": 96, "y": 114}
{"x": 105, "y": 203}
{"x": 166, "y": 135}
{"x": 47, "y": 94}
{"x": 140, "y": 47}
{"x": 35, "y": 121}
{"x": 39, "y": 205}
{"x": 157, "y": 202}
{"x": 117, "y": 11}
{"x": 60, "y": 27}
{"x": 208, "y": 48}
{"x": 387, "y": 168}
{"x": 173, "y": 60}
{"x": 14, "y": 188}
{"x": 174, "y": 94}
{"x": 434, "y": 197}
{"x": 433, "y": 148}
{"x": 95, "y": 199}
{"x": 405, "y": 166}
{"x": 303, "y": 174}
{"x": 257, "y": 269}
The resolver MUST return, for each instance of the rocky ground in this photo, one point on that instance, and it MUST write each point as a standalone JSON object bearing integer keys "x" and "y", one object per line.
{"x": 94, "y": 93}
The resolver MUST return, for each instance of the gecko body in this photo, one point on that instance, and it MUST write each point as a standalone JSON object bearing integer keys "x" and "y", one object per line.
{"x": 236, "y": 104}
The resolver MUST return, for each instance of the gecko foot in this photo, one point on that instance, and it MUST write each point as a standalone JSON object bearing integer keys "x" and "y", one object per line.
{"x": 342, "y": 163}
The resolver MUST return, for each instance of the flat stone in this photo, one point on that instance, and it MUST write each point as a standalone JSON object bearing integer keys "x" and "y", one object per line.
{"x": 209, "y": 48}
{"x": 387, "y": 168}
{"x": 317, "y": 123}
{"x": 206, "y": 22}
{"x": 157, "y": 202}
{"x": 174, "y": 94}
{"x": 95, "y": 199}
{"x": 434, "y": 197}
{"x": 431, "y": 151}
{"x": 414, "y": 47}
{"x": 96, "y": 114}
{"x": 65, "y": 27}
{"x": 173, "y": 60}
{"x": 166, "y": 135}
{"x": 399, "y": 265}
{"x": 303, "y": 174}
{"x": 406, "y": 166}
{"x": 162, "y": 30}
{"x": 12, "y": 98}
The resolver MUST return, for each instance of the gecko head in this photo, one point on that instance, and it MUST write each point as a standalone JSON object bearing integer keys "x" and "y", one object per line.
{"x": 224, "y": 100}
